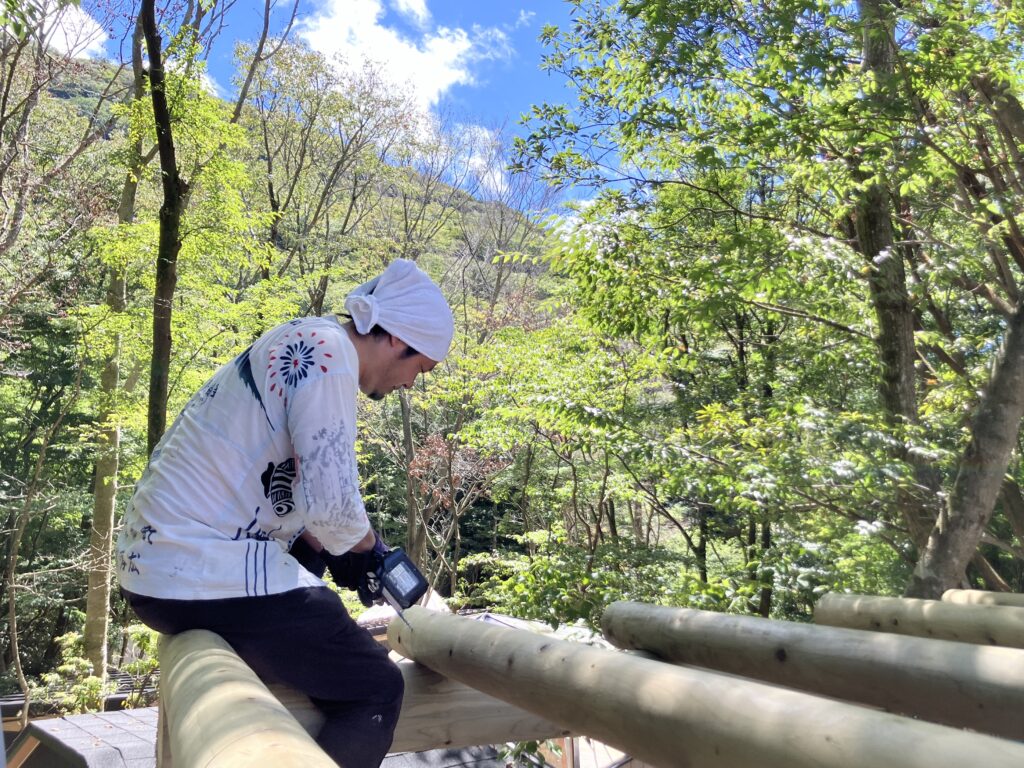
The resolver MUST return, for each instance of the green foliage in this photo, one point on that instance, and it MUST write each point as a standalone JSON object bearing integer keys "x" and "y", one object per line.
{"x": 144, "y": 667}
{"x": 526, "y": 754}
{"x": 559, "y": 583}
{"x": 71, "y": 686}
{"x": 745, "y": 142}
{"x": 20, "y": 16}
{"x": 834, "y": 558}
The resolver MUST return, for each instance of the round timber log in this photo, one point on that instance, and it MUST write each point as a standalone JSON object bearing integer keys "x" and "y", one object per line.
{"x": 983, "y": 597}
{"x": 982, "y": 624}
{"x": 957, "y": 684}
{"x": 436, "y": 712}
{"x": 439, "y": 713}
{"x": 676, "y": 717}
{"x": 219, "y": 714}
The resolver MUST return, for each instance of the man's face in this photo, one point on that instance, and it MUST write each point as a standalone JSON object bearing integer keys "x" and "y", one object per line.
{"x": 395, "y": 369}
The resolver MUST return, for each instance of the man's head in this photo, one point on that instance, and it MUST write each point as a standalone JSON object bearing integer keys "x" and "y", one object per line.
{"x": 387, "y": 363}
{"x": 402, "y": 327}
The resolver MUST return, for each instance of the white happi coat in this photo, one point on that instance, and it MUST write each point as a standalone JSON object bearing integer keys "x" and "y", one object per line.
{"x": 264, "y": 451}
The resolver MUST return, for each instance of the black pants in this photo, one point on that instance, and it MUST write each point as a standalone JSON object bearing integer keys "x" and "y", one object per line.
{"x": 306, "y": 639}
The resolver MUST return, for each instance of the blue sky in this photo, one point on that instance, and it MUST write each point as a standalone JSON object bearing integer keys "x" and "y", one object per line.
{"x": 480, "y": 59}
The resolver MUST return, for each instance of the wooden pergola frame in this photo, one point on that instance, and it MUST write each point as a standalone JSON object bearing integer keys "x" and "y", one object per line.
{"x": 474, "y": 683}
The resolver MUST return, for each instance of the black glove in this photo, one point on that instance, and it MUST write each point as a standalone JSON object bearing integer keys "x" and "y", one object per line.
{"x": 370, "y": 590}
{"x": 308, "y": 557}
{"x": 359, "y": 570}
{"x": 350, "y": 570}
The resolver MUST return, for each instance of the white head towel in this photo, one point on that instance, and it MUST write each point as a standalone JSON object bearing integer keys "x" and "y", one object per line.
{"x": 407, "y": 304}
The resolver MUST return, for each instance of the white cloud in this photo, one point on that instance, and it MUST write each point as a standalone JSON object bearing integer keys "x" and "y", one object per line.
{"x": 206, "y": 81}
{"x": 570, "y": 221}
{"x": 525, "y": 17}
{"x": 72, "y": 31}
{"x": 485, "y": 160}
{"x": 431, "y": 63}
{"x": 417, "y": 9}
{"x": 212, "y": 87}
{"x": 492, "y": 44}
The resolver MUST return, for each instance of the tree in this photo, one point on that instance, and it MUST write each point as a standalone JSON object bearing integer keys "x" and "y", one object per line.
{"x": 326, "y": 132}
{"x": 29, "y": 66}
{"x": 108, "y": 442}
{"x": 198, "y": 27}
{"x": 57, "y": 112}
{"x": 175, "y": 200}
{"x": 680, "y": 94}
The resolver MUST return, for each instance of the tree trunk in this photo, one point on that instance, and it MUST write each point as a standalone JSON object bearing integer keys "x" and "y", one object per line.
{"x": 981, "y": 472}
{"x": 97, "y": 601}
{"x": 765, "y": 606}
{"x": 97, "y": 604}
{"x": 1013, "y": 508}
{"x": 175, "y": 193}
{"x": 415, "y": 529}
{"x": 613, "y": 524}
{"x": 456, "y": 553}
{"x": 750, "y": 552}
{"x": 10, "y": 587}
{"x": 701, "y": 550}
{"x": 993, "y": 580}
{"x": 875, "y": 241}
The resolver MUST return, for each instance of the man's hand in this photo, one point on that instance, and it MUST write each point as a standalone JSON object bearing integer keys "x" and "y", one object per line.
{"x": 370, "y": 589}
{"x": 358, "y": 569}
{"x": 349, "y": 570}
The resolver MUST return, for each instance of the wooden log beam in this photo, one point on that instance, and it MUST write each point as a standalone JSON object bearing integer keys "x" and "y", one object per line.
{"x": 982, "y": 624}
{"x": 983, "y": 597}
{"x": 674, "y": 716}
{"x": 957, "y": 684}
{"x": 212, "y": 704}
{"x": 438, "y": 712}
{"x": 218, "y": 714}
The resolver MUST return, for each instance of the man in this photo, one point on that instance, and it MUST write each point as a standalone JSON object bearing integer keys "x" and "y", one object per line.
{"x": 256, "y": 475}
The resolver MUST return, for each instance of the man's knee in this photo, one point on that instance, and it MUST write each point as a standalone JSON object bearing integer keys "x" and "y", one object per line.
{"x": 383, "y": 689}
{"x": 392, "y": 684}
